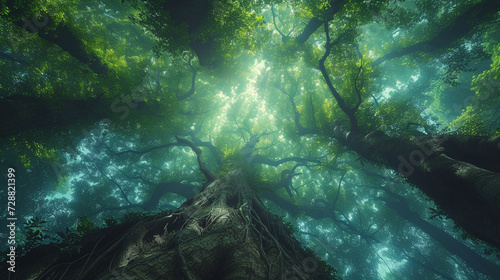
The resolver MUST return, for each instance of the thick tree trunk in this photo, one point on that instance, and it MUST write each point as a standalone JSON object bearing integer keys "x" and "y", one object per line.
{"x": 30, "y": 113}
{"x": 224, "y": 232}
{"x": 471, "y": 258}
{"x": 27, "y": 113}
{"x": 469, "y": 194}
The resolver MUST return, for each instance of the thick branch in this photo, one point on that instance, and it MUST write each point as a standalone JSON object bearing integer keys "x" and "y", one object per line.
{"x": 209, "y": 146}
{"x": 248, "y": 150}
{"x": 410, "y": 124}
{"x": 192, "y": 113}
{"x": 340, "y": 101}
{"x": 482, "y": 151}
{"x": 301, "y": 129}
{"x": 462, "y": 25}
{"x": 316, "y": 22}
{"x": 286, "y": 180}
{"x": 56, "y": 32}
{"x": 358, "y": 92}
{"x": 315, "y": 128}
{"x": 114, "y": 182}
{"x": 180, "y": 142}
{"x": 193, "y": 82}
{"x": 263, "y": 160}
{"x": 203, "y": 167}
{"x": 185, "y": 190}
{"x": 334, "y": 204}
{"x": 284, "y": 37}
{"x": 146, "y": 150}
{"x": 427, "y": 266}
{"x": 36, "y": 113}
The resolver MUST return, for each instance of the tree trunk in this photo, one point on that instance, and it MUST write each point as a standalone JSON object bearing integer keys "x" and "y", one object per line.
{"x": 469, "y": 194}
{"x": 224, "y": 232}
{"x": 471, "y": 258}
{"x": 58, "y": 33}
{"x": 31, "y": 113}
{"x": 460, "y": 27}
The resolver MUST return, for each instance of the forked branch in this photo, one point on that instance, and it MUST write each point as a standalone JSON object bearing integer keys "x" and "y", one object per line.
{"x": 203, "y": 166}
{"x": 340, "y": 101}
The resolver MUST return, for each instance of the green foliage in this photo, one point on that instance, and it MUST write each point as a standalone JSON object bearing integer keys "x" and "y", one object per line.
{"x": 216, "y": 30}
{"x": 286, "y": 54}
{"x": 226, "y": 107}
{"x": 469, "y": 123}
{"x": 461, "y": 60}
{"x": 70, "y": 241}
{"x": 84, "y": 225}
{"x": 470, "y": 109}
{"x": 72, "y": 236}
{"x": 394, "y": 116}
{"x": 35, "y": 233}
{"x": 367, "y": 116}
{"x": 314, "y": 8}
{"x": 399, "y": 17}
{"x": 492, "y": 250}
{"x": 364, "y": 11}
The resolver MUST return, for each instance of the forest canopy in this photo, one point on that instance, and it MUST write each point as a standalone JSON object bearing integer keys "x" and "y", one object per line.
{"x": 337, "y": 138}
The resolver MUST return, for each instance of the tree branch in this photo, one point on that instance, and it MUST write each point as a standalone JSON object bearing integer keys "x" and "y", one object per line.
{"x": 118, "y": 185}
{"x": 284, "y": 38}
{"x": 318, "y": 213}
{"x": 338, "y": 192}
{"x": 208, "y": 145}
{"x": 193, "y": 82}
{"x": 315, "y": 128}
{"x": 263, "y": 160}
{"x": 462, "y": 25}
{"x": 315, "y": 23}
{"x": 203, "y": 167}
{"x": 301, "y": 130}
{"x": 143, "y": 151}
{"x": 340, "y": 101}
{"x": 356, "y": 87}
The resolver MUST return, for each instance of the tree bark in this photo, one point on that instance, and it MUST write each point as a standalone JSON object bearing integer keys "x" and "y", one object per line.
{"x": 224, "y": 232}
{"x": 469, "y": 194}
